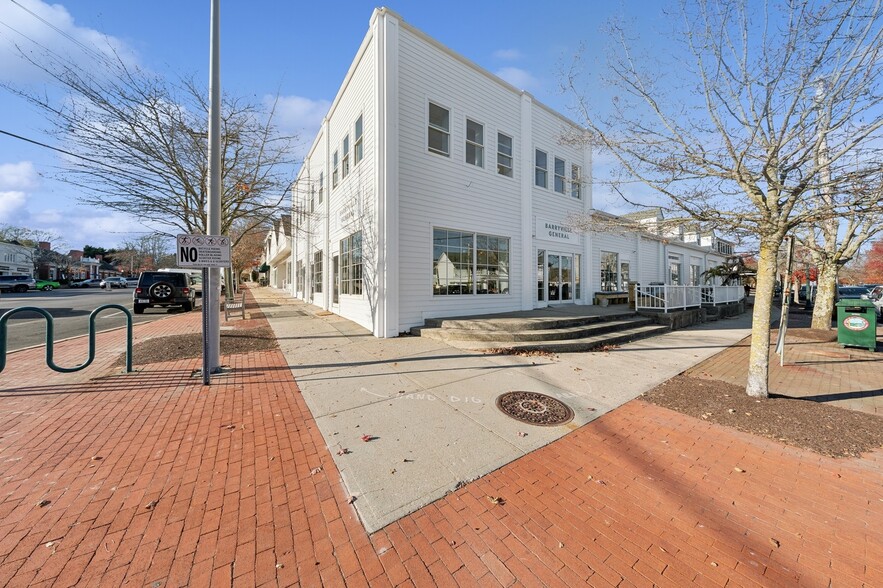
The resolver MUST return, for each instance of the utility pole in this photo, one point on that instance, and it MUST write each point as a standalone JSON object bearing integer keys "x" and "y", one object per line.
{"x": 212, "y": 293}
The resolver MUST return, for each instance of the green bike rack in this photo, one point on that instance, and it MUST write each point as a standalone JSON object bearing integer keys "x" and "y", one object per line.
{"x": 50, "y": 339}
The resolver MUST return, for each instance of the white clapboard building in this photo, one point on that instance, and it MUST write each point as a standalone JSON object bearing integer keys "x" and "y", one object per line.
{"x": 434, "y": 188}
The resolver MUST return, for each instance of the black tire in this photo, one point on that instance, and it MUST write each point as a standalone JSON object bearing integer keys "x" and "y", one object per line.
{"x": 138, "y": 308}
{"x": 20, "y": 288}
{"x": 188, "y": 306}
{"x": 162, "y": 291}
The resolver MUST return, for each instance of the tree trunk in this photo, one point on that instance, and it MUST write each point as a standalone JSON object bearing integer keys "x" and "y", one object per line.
{"x": 759, "y": 357}
{"x": 824, "y": 304}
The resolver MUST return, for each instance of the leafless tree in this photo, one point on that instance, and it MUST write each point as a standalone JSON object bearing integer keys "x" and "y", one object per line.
{"x": 764, "y": 118}
{"x": 138, "y": 144}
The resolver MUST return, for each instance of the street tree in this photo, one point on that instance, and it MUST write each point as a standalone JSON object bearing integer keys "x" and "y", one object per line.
{"x": 138, "y": 144}
{"x": 760, "y": 122}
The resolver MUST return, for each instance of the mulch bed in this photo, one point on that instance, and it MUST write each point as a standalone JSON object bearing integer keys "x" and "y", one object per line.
{"x": 822, "y": 428}
{"x": 186, "y": 346}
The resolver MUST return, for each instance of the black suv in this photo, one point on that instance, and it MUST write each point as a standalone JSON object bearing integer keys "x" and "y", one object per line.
{"x": 163, "y": 289}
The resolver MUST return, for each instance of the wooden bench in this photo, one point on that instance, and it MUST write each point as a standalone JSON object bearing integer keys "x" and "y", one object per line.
{"x": 234, "y": 307}
{"x": 611, "y": 298}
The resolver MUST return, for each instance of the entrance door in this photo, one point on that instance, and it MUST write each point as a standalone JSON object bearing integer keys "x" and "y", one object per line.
{"x": 560, "y": 277}
{"x": 335, "y": 289}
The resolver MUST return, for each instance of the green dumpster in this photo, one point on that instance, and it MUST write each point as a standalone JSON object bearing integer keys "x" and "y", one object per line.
{"x": 857, "y": 323}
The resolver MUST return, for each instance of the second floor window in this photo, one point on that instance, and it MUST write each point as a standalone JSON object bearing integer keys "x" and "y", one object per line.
{"x": 439, "y": 137}
{"x": 560, "y": 180}
{"x": 321, "y": 187}
{"x": 541, "y": 169}
{"x": 504, "y": 155}
{"x": 345, "y": 165}
{"x": 576, "y": 180}
{"x": 357, "y": 146}
{"x": 335, "y": 175}
{"x": 474, "y": 143}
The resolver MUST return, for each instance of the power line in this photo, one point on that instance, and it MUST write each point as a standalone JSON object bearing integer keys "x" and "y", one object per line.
{"x": 83, "y": 157}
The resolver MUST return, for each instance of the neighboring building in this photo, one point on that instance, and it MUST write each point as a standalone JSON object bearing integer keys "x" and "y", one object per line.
{"x": 277, "y": 253}
{"x": 435, "y": 188}
{"x": 16, "y": 259}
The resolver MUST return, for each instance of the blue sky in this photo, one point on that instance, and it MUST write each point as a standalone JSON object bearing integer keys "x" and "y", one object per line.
{"x": 299, "y": 50}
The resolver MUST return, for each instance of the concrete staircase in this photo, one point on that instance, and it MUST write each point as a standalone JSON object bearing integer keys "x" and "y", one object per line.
{"x": 552, "y": 334}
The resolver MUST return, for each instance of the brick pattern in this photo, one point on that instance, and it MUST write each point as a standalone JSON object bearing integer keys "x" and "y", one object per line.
{"x": 231, "y": 485}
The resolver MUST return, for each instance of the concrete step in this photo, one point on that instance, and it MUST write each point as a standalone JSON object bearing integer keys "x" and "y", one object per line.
{"x": 518, "y": 324}
{"x": 570, "y": 345}
{"x": 504, "y": 337}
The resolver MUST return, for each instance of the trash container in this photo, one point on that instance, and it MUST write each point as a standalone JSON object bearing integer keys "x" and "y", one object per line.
{"x": 857, "y": 323}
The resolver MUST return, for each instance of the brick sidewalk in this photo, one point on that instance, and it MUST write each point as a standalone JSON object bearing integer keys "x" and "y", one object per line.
{"x": 231, "y": 485}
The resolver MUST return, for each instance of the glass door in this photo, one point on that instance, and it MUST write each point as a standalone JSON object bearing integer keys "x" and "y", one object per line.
{"x": 559, "y": 274}
{"x": 553, "y": 263}
{"x": 335, "y": 289}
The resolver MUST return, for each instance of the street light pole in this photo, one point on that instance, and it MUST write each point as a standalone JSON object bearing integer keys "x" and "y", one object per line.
{"x": 212, "y": 295}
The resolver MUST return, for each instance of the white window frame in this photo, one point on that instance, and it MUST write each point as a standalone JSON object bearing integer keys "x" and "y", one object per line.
{"x": 478, "y": 146}
{"x": 560, "y": 181}
{"x": 501, "y": 157}
{"x": 345, "y": 161}
{"x": 537, "y": 169}
{"x": 321, "y": 187}
{"x": 335, "y": 174}
{"x": 576, "y": 181}
{"x": 445, "y": 132}
{"x": 358, "y": 145}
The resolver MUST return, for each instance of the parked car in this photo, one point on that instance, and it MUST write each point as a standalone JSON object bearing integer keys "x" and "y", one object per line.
{"x": 163, "y": 289}
{"x": 17, "y": 283}
{"x": 47, "y": 285}
{"x": 859, "y": 292}
{"x": 876, "y": 295}
{"x": 114, "y": 282}
{"x": 91, "y": 283}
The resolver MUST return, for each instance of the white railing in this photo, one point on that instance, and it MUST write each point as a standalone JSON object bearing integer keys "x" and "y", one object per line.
{"x": 667, "y": 297}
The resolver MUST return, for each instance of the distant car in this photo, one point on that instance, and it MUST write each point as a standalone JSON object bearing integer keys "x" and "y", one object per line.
{"x": 47, "y": 285}
{"x": 91, "y": 283}
{"x": 876, "y": 295}
{"x": 17, "y": 283}
{"x": 114, "y": 282}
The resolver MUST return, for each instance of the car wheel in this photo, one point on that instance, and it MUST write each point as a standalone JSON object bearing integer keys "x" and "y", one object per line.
{"x": 138, "y": 308}
{"x": 188, "y": 306}
{"x": 20, "y": 289}
{"x": 47, "y": 288}
{"x": 162, "y": 290}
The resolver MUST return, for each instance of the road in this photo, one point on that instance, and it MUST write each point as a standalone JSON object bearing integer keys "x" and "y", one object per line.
{"x": 70, "y": 309}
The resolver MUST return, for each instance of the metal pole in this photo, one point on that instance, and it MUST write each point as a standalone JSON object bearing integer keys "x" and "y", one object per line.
{"x": 211, "y": 295}
{"x": 786, "y": 300}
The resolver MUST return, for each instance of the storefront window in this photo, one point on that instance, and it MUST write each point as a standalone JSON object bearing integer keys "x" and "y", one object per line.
{"x": 469, "y": 263}
{"x": 624, "y": 275}
{"x": 674, "y": 270}
{"x": 609, "y": 272}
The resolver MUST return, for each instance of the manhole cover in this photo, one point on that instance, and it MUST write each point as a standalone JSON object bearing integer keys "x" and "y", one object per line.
{"x": 534, "y": 408}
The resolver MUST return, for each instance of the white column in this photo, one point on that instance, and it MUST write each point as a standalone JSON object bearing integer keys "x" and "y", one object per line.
{"x": 528, "y": 259}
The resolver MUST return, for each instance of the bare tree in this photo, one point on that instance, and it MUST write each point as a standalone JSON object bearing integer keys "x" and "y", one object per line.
{"x": 742, "y": 138}
{"x": 138, "y": 145}
{"x": 832, "y": 244}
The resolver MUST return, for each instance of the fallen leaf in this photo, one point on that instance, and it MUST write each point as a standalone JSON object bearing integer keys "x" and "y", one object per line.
{"x": 96, "y": 458}
{"x": 497, "y": 499}
{"x": 714, "y": 564}
{"x": 315, "y": 471}
{"x": 343, "y": 451}
{"x": 151, "y": 504}
{"x": 367, "y": 438}
{"x": 279, "y": 566}
{"x": 351, "y": 500}
{"x": 560, "y": 545}
{"x": 522, "y": 434}
{"x": 774, "y": 542}
{"x": 739, "y": 470}
{"x": 392, "y": 471}
{"x": 406, "y": 460}
{"x": 731, "y": 410}
{"x": 43, "y": 503}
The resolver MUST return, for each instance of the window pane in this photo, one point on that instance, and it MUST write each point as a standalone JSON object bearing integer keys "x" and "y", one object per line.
{"x": 438, "y": 141}
{"x": 439, "y": 117}
{"x": 559, "y": 175}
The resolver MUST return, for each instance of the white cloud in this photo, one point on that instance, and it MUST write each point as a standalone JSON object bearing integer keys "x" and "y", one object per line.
{"x": 76, "y": 45}
{"x": 519, "y": 78}
{"x": 18, "y": 176}
{"x": 12, "y": 205}
{"x": 298, "y": 114}
{"x": 507, "y": 54}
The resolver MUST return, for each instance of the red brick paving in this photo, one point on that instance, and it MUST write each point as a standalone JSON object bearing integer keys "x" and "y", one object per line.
{"x": 642, "y": 496}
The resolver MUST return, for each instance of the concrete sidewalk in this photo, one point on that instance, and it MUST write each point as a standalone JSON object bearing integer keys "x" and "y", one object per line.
{"x": 434, "y": 405}
{"x": 153, "y": 479}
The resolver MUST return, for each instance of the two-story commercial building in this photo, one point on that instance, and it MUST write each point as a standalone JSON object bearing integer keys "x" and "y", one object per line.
{"x": 435, "y": 188}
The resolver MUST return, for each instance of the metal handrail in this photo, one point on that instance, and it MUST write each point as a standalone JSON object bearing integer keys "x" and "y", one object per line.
{"x": 50, "y": 338}
{"x": 667, "y": 297}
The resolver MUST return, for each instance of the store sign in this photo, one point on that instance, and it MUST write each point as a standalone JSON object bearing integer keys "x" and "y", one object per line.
{"x": 547, "y": 230}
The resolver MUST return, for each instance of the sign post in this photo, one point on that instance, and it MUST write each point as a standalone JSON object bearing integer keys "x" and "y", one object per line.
{"x": 205, "y": 251}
